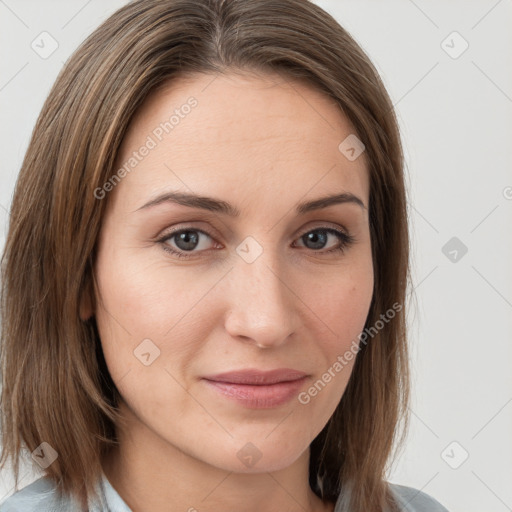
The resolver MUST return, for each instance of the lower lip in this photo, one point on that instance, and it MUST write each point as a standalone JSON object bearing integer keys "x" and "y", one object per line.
{"x": 259, "y": 397}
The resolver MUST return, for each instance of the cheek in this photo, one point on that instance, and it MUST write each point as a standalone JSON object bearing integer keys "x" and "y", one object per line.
{"x": 149, "y": 307}
{"x": 341, "y": 308}
{"x": 342, "y": 304}
{"x": 144, "y": 320}
{"x": 145, "y": 296}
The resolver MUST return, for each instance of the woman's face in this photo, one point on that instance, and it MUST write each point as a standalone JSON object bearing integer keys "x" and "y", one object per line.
{"x": 262, "y": 290}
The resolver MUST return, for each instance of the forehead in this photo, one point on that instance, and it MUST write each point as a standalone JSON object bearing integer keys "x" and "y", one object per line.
{"x": 227, "y": 133}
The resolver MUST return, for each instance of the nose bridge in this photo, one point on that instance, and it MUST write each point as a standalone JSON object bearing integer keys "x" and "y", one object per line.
{"x": 261, "y": 304}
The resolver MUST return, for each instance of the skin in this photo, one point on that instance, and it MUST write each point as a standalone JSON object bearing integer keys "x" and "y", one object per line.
{"x": 263, "y": 144}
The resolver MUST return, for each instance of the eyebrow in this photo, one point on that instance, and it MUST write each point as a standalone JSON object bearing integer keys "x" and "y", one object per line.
{"x": 218, "y": 206}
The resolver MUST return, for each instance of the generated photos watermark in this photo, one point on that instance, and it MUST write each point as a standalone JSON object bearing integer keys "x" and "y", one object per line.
{"x": 152, "y": 141}
{"x": 343, "y": 360}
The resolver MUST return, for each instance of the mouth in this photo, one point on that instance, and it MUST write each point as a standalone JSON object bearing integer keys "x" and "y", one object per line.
{"x": 256, "y": 377}
{"x": 258, "y": 389}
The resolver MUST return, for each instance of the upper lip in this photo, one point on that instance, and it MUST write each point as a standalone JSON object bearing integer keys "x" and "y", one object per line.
{"x": 258, "y": 377}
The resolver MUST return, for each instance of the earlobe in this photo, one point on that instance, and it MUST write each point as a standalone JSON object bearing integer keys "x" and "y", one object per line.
{"x": 87, "y": 303}
{"x": 85, "y": 311}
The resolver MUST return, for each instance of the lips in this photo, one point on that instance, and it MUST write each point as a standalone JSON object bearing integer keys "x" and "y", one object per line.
{"x": 257, "y": 377}
{"x": 256, "y": 389}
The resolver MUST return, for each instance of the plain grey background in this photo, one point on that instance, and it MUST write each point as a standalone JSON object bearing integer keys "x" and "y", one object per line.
{"x": 447, "y": 67}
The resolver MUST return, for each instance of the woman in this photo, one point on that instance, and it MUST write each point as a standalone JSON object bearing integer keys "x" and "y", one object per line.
{"x": 205, "y": 272}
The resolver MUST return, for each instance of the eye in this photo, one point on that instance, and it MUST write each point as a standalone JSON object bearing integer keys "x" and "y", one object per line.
{"x": 185, "y": 241}
{"x": 319, "y": 236}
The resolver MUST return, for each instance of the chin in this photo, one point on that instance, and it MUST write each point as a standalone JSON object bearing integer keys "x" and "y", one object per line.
{"x": 258, "y": 457}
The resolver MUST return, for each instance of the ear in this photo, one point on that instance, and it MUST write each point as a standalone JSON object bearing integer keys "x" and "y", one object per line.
{"x": 87, "y": 303}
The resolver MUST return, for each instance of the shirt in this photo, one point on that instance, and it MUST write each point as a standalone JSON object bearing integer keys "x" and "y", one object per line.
{"x": 40, "y": 496}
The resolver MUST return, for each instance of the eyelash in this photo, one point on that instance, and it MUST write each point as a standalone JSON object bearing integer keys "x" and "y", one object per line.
{"x": 346, "y": 241}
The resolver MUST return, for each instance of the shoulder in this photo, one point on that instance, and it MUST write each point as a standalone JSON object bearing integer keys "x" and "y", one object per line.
{"x": 413, "y": 500}
{"x": 42, "y": 496}
{"x": 39, "y": 496}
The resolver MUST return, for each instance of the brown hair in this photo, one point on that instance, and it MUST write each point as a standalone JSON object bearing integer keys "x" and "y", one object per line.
{"x": 56, "y": 387}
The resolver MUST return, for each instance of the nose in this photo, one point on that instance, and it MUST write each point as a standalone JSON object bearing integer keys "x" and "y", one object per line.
{"x": 262, "y": 307}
